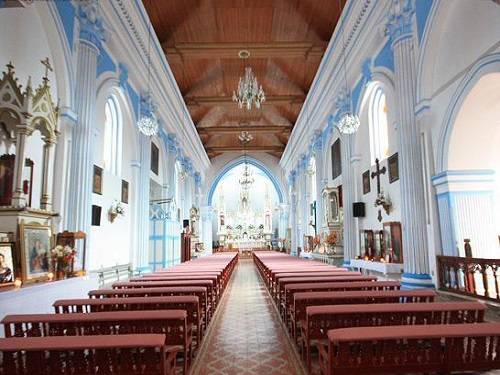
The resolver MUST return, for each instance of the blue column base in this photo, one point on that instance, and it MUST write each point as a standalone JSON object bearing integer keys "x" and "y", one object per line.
{"x": 416, "y": 280}
{"x": 347, "y": 263}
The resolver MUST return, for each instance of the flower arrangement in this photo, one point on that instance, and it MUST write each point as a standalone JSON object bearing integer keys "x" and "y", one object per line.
{"x": 331, "y": 239}
{"x": 384, "y": 202}
{"x": 62, "y": 260}
{"x": 115, "y": 210}
{"x": 317, "y": 241}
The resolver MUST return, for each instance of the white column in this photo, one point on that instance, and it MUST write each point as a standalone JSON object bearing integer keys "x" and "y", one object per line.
{"x": 413, "y": 223}
{"x": 18, "y": 197}
{"x": 284, "y": 210}
{"x": 294, "y": 241}
{"x": 320, "y": 181}
{"x": 90, "y": 38}
{"x": 47, "y": 175}
{"x": 348, "y": 197}
{"x": 141, "y": 259}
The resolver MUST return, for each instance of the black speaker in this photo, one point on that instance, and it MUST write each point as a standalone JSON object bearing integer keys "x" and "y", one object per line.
{"x": 185, "y": 223}
{"x": 358, "y": 209}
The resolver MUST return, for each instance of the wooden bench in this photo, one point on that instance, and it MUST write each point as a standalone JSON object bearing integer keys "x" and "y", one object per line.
{"x": 108, "y": 275}
{"x": 274, "y": 284}
{"x": 321, "y": 319}
{"x": 171, "y": 323}
{"x": 287, "y": 305}
{"x": 416, "y": 349}
{"x": 304, "y": 299}
{"x": 283, "y": 282}
{"x": 145, "y": 354}
{"x": 208, "y": 284}
{"x": 188, "y": 303}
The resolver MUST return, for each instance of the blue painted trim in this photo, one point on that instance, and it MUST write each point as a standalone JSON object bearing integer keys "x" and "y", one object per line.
{"x": 252, "y": 161}
{"x": 416, "y": 285}
{"x": 418, "y": 276}
{"x": 66, "y": 12}
{"x": 464, "y": 172}
{"x": 422, "y": 10}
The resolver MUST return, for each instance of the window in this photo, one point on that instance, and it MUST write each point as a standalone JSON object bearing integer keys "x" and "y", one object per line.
{"x": 379, "y": 126}
{"x": 112, "y": 137}
{"x": 336, "y": 160}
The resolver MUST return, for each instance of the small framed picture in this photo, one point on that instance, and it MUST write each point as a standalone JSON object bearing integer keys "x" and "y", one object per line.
{"x": 35, "y": 242}
{"x": 393, "y": 162}
{"x": 7, "y": 264}
{"x": 124, "y": 191}
{"x": 97, "y": 180}
{"x": 366, "y": 182}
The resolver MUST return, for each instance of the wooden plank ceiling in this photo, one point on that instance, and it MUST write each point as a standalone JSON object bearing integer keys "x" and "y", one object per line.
{"x": 286, "y": 40}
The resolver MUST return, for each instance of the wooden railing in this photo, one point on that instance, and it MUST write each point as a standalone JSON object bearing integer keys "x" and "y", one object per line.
{"x": 474, "y": 277}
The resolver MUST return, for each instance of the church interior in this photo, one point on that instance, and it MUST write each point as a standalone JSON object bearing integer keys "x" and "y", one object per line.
{"x": 249, "y": 186}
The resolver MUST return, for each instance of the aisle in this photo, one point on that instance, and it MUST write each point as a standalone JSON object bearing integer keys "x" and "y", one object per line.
{"x": 246, "y": 336}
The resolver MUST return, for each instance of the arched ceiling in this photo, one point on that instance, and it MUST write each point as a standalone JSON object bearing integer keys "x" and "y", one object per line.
{"x": 286, "y": 40}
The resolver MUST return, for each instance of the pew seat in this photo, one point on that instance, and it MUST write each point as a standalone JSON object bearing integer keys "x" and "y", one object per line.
{"x": 58, "y": 355}
{"x": 417, "y": 349}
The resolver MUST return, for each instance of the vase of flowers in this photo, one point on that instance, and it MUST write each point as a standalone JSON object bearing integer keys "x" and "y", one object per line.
{"x": 115, "y": 210}
{"x": 62, "y": 260}
{"x": 331, "y": 241}
{"x": 384, "y": 202}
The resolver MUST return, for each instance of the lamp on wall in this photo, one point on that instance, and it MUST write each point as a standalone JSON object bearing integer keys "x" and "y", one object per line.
{"x": 148, "y": 124}
{"x": 349, "y": 123}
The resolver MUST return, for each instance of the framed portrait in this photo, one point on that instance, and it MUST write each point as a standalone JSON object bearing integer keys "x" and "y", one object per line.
{"x": 35, "y": 240}
{"x": 97, "y": 180}
{"x": 7, "y": 264}
{"x": 393, "y": 162}
{"x": 124, "y": 191}
{"x": 366, "y": 182}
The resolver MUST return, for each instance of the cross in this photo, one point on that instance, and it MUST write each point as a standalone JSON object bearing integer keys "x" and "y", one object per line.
{"x": 377, "y": 174}
{"x": 48, "y": 68}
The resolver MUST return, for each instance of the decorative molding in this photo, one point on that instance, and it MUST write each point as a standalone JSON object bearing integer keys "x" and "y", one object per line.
{"x": 91, "y": 23}
{"x": 123, "y": 75}
{"x": 400, "y": 20}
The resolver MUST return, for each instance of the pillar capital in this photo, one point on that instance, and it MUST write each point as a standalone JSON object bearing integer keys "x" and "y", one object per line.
{"x": 92, "y": 29}
{"x": 400, "y": 20}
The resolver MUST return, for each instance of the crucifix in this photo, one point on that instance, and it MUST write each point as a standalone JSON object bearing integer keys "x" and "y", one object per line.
{"x": 48, "y": 68}
{"x": 377, "y": 174}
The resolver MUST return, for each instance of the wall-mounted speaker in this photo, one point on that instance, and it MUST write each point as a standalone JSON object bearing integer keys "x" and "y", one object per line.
{"x": 358, "y": 209}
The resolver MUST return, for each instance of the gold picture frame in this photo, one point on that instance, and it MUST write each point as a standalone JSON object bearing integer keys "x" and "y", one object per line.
{"x": 35, "y": 243}
{"x": 8, "y": 269}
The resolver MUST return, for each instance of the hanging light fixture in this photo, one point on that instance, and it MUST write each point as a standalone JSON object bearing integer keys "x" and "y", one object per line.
{"x": 249, "y": 92}
{"x": 246, "y": 180}
{"x": 349, "y": 123}
{"x": 148, "y": 124}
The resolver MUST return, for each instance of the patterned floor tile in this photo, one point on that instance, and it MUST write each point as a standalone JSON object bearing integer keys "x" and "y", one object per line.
{"x": 246, "y": 336}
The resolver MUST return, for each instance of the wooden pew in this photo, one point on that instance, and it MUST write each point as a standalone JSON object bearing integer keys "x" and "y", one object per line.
{"x": 208, "y": 284}
{"x": 416, "y": 349}
{"x": 145, "y": 354}
{"x": 275, "y": 277}
{"x": 321, "y": 319}
{"x": 349, "y": 277}
{"x": 287, "y": 305}
{"x": 171, "y": 323}
{"x": 90, "y": 305}
{"x": 305, "y": 299}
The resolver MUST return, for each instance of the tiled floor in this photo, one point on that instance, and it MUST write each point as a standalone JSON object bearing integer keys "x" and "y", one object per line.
{"x": 246, "y": 335}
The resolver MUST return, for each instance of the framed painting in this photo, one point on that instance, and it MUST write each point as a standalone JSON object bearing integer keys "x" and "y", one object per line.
{"x": 35, "y": 240}
{"x": 366, "y": 182}
{"x": 97, "y": 180}
{"x": 124, "y": 191}
{"x": 7, "y": 264}
{"x": 155, "y": 158}
{"x": 336, "y": 160}
{"x": 393, "y": 162}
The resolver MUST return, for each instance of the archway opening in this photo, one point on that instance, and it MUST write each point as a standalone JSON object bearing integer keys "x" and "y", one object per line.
{"x": 244, "y": 200}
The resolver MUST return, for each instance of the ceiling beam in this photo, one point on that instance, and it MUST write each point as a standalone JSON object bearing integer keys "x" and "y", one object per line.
{"x": 198, "y": 101}
{"x": 287, "y": 50}
{"x": 212, "y": 149}
{"x": 248, "y": 128}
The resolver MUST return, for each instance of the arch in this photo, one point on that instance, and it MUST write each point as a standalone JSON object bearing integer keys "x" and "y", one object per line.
{"x": 252, "y": 161}
{"x": 485, "y": 65}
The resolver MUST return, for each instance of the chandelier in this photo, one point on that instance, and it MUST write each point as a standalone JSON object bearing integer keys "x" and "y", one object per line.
{"x": 249, "y": 92}
{"x": 148, "y": 124}
{"x": 246, "y": 180}
{"x": 245, "y": 138}
{"x": 349, "y": 123}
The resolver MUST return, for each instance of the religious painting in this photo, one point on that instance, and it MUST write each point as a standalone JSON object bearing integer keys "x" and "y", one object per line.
{"x": 124, "y": 191}
{"x": 155, "y": 158}
{"x": 393, "y": 162}
{"x": 366, "y": 182}
{"x": 6, "y": 178}
{"x": 336, "y": 160}
{"x": 97, "y": 180}
{"x": 7, "y": 269}
{"x": 35, "y": 251}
